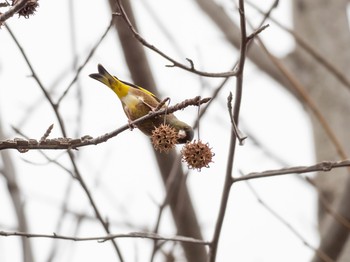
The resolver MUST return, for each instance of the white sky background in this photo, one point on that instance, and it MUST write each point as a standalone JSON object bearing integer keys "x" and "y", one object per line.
{"x": 121, "y": 173}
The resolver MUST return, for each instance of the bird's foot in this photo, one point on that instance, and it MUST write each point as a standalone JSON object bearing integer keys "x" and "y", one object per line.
{"x": 162, "y": 103}
{"x": 131, "y": 125}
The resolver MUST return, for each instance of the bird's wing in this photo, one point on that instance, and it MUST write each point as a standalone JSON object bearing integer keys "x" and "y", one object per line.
{"x": 142, "y": 90}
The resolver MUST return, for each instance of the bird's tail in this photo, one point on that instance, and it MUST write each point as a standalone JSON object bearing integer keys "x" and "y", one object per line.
{"x": 104, "y": 77}
{"x": 117, "y": 86}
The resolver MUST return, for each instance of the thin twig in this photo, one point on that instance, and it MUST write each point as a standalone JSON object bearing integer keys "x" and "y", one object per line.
{"x": 213, "y": 97}
{"x": 324, "y": 202}
{"x": 256, "y": 32}
{"x": 261, "y": 27}
{"x": 310, "y": 49}
{"x": 328, "y": 206}
{"x": 324, "y": 257}
{"x": 240, "y": 136}
{"x": 324, "y": 166}
{"x": 50, "y": 160}
{"x": 36, "y": 78}
{"x": 46, "y": 135}
{"x": 335, "y": 230}
{"x": 301, "y": 91}
{"x": 222, "y": 84}
{"x": 175, "y": 63}
{"x": 91, "y": 53}
{"x": 101, "y": 239}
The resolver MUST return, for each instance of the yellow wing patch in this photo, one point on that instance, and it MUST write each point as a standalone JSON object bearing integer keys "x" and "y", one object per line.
{"x": 141, "y": 89}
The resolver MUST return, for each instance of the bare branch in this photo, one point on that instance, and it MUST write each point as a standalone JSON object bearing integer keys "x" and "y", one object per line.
{"x": 175, "y": 63}
{"x": 328, "y": 206}
{"x": 81, "y": 67}
{"x": 303, "y": 94}
{"x": 256, "y": 32}
{"x": 231, "y": 31}
{"x": 323, "y": 256}
{"x": 240, "y": 136}
{"x": 46, "y": 135}
{"x": 13, "y": 10}
{"x": 324, "y": 166}
{"x": 148, "y": 235}
{"x": 23, "y": 145}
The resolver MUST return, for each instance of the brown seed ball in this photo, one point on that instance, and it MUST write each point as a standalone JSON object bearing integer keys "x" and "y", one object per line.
{"x": 164, "y": 138}
{"x": 28, "y": 9}
{"x": 197, "y": 154}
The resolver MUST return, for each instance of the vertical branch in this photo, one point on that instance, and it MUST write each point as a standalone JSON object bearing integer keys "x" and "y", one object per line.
{"x": 9, "y": 172}
{"x": 228, "y": 178}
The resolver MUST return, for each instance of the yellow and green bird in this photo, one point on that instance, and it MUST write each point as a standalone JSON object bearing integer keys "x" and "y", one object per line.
{"x": 138, "y": 102}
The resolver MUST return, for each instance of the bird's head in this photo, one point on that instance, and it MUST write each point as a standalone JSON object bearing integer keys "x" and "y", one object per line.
{"x": 185, "y": 133}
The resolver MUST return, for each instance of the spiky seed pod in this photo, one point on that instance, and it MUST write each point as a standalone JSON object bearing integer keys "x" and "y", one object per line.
{"x": 28, "y": 9}
{"x": 164, "y": 138}
{"x": 197, "y": 154}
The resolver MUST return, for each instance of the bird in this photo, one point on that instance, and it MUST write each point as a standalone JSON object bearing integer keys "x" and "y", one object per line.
{"x": 137, "y": 102}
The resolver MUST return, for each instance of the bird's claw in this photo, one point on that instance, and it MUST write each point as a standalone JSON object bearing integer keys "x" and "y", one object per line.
{"x": 131, "y": 125}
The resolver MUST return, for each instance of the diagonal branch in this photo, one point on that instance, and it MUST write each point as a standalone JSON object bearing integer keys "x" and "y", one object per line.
{"x": 87, "y": 59}
{"x": 191, "y": 68}
{"x": 23, "y": 145}
{"x": 320, "y": 254}
{"x": 78, "y": 175}
{"x": 13, "y": 10}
